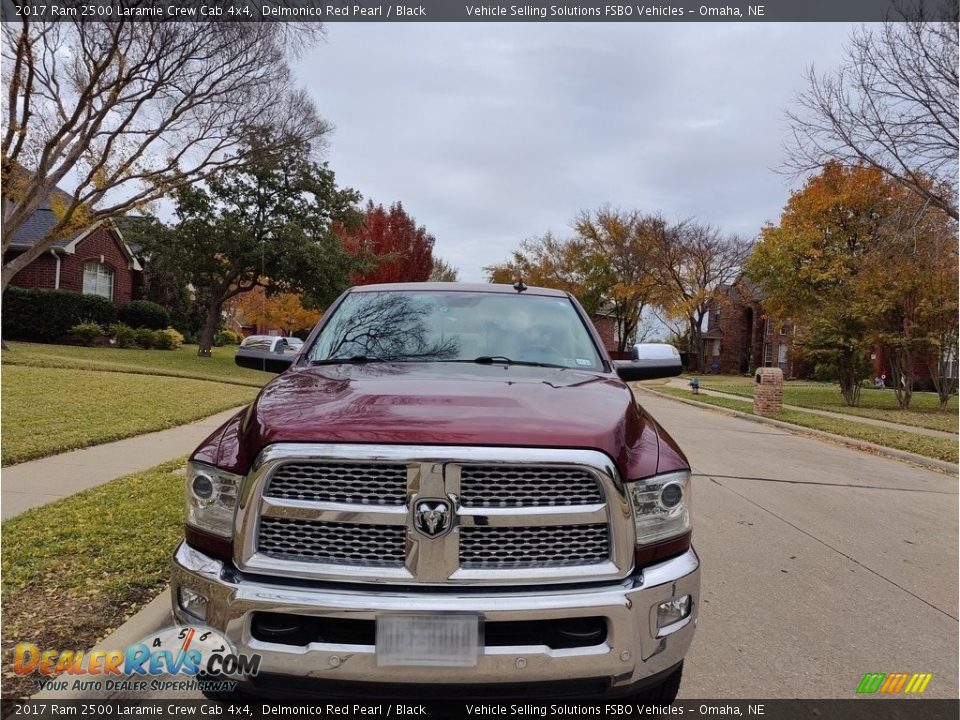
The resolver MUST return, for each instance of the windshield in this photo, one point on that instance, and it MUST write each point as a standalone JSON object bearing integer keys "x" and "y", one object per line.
{"x": 457, "y": 327}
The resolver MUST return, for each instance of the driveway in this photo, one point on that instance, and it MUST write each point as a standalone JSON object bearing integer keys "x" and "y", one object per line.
{"x": 820, "y": 563}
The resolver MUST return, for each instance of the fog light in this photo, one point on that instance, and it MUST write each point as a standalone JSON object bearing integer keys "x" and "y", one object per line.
{"x": 192, "y": 603}
{"x": 673, "y": 611}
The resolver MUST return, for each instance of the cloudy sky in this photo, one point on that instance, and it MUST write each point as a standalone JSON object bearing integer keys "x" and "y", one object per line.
{"x": 491, "y": 133}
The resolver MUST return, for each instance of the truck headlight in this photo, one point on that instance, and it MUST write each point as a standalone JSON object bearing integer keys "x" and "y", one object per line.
{"x": 211, "y": 498}
{"x": 661, "y": 511}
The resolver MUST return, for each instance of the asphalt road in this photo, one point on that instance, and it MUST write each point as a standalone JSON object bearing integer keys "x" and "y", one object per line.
{"x": 820, "y": 563}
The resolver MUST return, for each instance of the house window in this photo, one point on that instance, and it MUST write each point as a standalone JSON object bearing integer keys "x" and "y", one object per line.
{"x": 767, "y": 354}
{"x": 782, "y": 357}
{"x": 769, "y": 326}
{"x": 98, "y": 279}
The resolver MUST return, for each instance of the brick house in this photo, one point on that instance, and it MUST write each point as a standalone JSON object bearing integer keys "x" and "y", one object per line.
{"x": 740, "y": 337}
{"x": 95, "y": 261}
{"x": 605, "y": 321}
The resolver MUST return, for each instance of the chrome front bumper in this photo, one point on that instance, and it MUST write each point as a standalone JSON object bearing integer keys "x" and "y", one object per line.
{"x": 634, "y": 648}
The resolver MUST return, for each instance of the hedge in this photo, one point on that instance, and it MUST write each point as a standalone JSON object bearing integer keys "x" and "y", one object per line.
{"x": 144, "y": 314}
{"x": 41, "y": 315}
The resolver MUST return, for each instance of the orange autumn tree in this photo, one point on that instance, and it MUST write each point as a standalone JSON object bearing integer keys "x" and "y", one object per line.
{"x": 858, "y": 261}
{"x": 284, "y": 311}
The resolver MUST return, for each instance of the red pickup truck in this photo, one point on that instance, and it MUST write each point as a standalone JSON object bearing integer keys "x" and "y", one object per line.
{"x": 450, "y": 491}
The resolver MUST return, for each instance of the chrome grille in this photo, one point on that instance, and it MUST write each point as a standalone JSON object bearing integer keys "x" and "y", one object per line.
{"x": 529, "y": 547}
{"x": 354, "y": 512}
{"x": 366, "y": 484}
{"x": 336, "y": 543}
{"x": 527, "y": 486}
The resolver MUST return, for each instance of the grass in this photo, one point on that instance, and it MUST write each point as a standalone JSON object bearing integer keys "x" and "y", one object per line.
{"x": 47, "y": 410}
{"x": 932, "y": 447}
{"x": 183, "y": 363}
{"x": 75, "y": 570}
{"x": 877, "y": 404}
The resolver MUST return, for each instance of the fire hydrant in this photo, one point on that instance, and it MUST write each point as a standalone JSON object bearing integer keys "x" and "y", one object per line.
{"x": 695, "y": 386}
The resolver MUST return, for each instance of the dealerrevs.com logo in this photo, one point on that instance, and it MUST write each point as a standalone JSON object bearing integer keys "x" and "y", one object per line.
{"x": 894, "y": 683}
{"x": 189, "y": 651}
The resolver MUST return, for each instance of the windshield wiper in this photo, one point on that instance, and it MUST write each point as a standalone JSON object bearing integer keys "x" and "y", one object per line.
{"x": 502, "y": 359}
{"x": 354, "y": 359}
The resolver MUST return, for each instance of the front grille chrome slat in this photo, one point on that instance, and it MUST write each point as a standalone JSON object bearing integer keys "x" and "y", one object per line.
{"x": 518, "y": 486}
{"x": 334, "y": 543}
{"x": 353, "y": 483}
{"x": 533, "y": 547}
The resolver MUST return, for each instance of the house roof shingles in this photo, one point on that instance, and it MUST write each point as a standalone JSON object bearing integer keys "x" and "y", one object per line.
{"x": 36, "y": 227}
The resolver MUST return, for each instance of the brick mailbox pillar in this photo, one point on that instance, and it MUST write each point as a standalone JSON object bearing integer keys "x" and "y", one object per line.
{"x": 768, "y": 391}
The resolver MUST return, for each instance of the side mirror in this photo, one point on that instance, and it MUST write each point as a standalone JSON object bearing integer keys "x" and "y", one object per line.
{"x": 650, "y": 361}
{"x": 263, "y": 360}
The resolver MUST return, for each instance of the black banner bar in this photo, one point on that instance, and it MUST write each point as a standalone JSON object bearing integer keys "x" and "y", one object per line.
{"x": 855, "y": 709}
{"x": 479, "y": 11}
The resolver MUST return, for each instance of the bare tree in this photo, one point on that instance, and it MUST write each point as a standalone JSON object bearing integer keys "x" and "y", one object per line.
{"x": 127, "y": 111}
{"x": 892, "y": 105}
{"x": 693, "y": 261}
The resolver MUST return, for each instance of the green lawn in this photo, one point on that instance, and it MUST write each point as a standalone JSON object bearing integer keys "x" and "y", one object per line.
{"x": 49, "y": 410}
{"x": 933, "y": 447}
{"x": 877, "y": 404}
{"x": 76, "y": 569}
{"x": 177, "y": 363}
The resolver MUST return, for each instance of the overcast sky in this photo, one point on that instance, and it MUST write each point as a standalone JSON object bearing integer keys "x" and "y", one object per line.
{"x": 491, "y": 133}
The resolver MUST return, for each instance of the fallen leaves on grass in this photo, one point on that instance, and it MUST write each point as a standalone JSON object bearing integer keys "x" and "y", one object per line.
{"x": 75, "y": 570}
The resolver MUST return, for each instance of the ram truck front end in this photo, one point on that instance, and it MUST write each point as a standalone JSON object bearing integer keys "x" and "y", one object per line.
{"x": 452, "y": 491}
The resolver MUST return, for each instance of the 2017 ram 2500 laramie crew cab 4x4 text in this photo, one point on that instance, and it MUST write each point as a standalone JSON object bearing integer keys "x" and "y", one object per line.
{"x": 450, "y": 488}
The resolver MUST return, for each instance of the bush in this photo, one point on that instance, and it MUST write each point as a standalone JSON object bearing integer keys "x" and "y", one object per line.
{"x": 168, "y": 339}
{"x": 123, "y": 335}
{"x": 144, "y": 338}
{"x": 227, "y": 337}
{"x": 825, "y": 372}
{"x": 40, "y": 315}
{"x": 144, "y": 314}
{"x": 86, "y": 333}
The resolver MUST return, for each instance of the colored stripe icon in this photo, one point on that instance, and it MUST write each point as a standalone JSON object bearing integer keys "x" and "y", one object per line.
{"x": 910, "y": 683}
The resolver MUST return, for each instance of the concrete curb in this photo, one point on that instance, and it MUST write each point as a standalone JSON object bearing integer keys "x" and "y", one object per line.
{"x": 931, "y": 463}
{"x": 153, "y": 616}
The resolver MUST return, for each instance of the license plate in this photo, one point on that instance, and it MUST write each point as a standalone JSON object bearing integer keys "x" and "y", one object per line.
{"x": 428, "y": 640}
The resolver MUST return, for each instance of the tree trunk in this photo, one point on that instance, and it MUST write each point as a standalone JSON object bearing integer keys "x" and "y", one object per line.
{"x": 210, "y": 328}
{"x": 850, "y": 374}
{"x": 696, "y": 340}
{"x": 939, "y": 364}
{"x": 902, "y": 367}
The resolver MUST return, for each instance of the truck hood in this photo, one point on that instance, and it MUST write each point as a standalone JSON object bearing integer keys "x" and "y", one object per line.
{"x": 446, "y": 404}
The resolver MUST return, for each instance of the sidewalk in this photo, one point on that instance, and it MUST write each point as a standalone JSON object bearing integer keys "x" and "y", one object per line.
{"x": 675, "y": 383}
{"x": 43, "y": 481}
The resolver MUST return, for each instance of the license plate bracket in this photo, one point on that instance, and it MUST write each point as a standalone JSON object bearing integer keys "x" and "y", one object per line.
{"x": 428, "y": 639}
